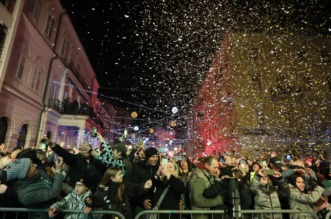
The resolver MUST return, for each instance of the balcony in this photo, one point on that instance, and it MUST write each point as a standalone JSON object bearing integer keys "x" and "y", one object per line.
{"x": 73, "y": 108}
{"x": 76, "y": 73}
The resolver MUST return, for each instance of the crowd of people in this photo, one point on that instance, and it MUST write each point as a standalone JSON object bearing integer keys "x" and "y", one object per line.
{"x": 130, "y": 179}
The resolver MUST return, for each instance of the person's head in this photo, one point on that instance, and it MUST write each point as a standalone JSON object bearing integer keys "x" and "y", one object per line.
{"x": 324, "y": 170}
{"x": 264, "y": 180}
{"x": 256, "y": 167}
{"x": 211, "y": 163}
{"x": 41, "y": 155}
{"x": 119, "y": 151}
{"x": 151, "y": 156}
{"x": 298, "y": 182}
{"x": 275, "y": 163}
{"x": 81, "y": 186}
{"x": 173, "y": 168}
{"x": 243, "y": 165}
{"x": 185, "y": 164}
{"x": 112, "y": 174}
{"x": 229, "y": 160}
{"x": 22, "y": 168}
{"x": 84, "y": 150}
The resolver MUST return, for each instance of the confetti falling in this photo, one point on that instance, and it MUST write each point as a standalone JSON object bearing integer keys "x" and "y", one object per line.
{"x": 157, "y": 53}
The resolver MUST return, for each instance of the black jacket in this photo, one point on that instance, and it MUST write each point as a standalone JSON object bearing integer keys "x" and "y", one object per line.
{"x": 79, "y": 167}
{"x": 171, "y": 199}
{"x": 106, "y": 197}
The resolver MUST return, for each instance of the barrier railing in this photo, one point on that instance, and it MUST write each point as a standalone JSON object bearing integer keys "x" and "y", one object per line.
{"x": 19, "y": 213}
{"x": 212, "y": 214}
{"x": 247, "y": 214}
{"x": 220, "y": 214}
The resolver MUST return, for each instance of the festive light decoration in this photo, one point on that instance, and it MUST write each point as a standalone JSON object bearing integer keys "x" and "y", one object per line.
{"x": 134, "y": 115}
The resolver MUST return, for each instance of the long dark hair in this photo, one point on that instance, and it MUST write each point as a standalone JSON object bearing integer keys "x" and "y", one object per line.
{"x": 293, "y": 181}
{"x": 111, "y": 172}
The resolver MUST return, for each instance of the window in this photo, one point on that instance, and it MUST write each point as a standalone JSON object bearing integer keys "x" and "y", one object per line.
{"x": 64, "y": 47}
{"x": 72, "y": 57}
{"x": 48, "y": 26}
{"x": 9, "y": 4}
{"x": 34, "y": 8}
{"x": 3, "y": 34}
{"x": 35, "y": 79}
{"x": 55, "y": 89}
{"x": 21, "y": 67}
{"x": 22, "y": 136}
{"x": 3, "y": 129}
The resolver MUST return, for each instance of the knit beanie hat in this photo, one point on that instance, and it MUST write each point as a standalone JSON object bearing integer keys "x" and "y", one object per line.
{"x": 18, "y": 169}
{"x": 150, "y": 152}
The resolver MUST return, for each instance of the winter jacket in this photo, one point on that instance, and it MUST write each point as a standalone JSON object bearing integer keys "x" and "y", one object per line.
{"x": 106, "y": 197}
{"x": 73, "y": 202}
{"x": 304, "y": 202}
{"x": 140, "y": 174}
{"x": 267, "y": 196}
{"x": 79, "y": 167}
{"x": 201, "y": 180}
{"x": 172, "y": 197}
{"x": 39, "y": 192}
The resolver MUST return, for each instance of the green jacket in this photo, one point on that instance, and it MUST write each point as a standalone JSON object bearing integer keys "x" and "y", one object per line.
{"x": 304, "y": 202}
{"x": 201, "y": 180}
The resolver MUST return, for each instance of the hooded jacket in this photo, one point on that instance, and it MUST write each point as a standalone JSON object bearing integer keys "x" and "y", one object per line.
{"x": 267, "y": 196}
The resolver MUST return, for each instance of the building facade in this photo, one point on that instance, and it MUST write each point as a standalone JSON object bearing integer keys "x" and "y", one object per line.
{"x": 266, "y": 91}
{"x": 49, "y": 87}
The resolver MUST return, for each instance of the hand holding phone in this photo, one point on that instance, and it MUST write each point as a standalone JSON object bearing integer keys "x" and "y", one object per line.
{"x": 164, "y": 162}
{"x": 56, "y": 158}
{"x": 269, "y": 172}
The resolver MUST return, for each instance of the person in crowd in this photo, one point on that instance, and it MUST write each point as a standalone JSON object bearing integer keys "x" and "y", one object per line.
{"x": 120, "y": 153}
{"x": 113, "y": 157}
{"x": 324, "y": 178}
{"x": 167, "y": 178}
{"x": 255, "y": 168}
{"x": 82, "y": 165}
{"x": 185, "y": 171}
{"x": 201, "y": 179}
{"x": 302, "y": 199}
{"x": 142, "y": 172}
{"x": 230, "y": 163}
{"x": 267, "y": 192}
{"x": 74, "y": 201}
{"x": 113, "y": 193}
{"x": 34, "y": 188}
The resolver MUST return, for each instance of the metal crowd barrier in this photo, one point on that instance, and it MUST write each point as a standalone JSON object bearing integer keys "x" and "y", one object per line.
{"x": 212, "y": 214}
{"x": 252, "y": 214}
{"x": 26, "y": 213}
{"x": 220, "y": 214}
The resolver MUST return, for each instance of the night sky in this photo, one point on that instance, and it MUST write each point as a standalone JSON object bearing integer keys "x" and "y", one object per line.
{"x": 152, "y": 55}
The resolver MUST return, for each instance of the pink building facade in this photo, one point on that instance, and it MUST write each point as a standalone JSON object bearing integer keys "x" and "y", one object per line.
{"x": 48, "y": 86}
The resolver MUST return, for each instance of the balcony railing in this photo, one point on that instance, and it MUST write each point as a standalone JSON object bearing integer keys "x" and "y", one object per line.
{"x": 73, "y": 108}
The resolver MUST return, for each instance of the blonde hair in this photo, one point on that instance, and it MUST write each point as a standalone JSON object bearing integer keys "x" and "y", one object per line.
{"x": 176, "y": 173}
